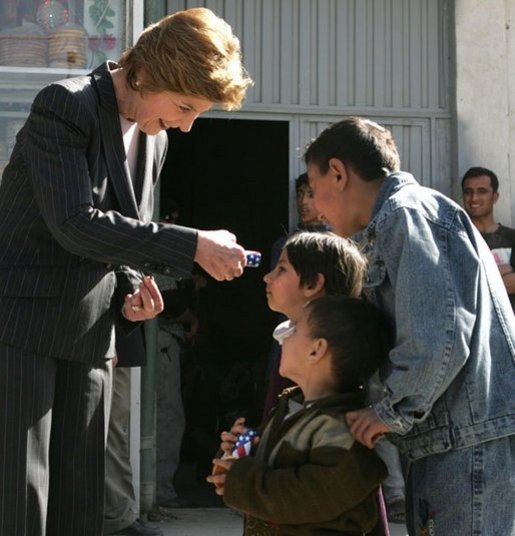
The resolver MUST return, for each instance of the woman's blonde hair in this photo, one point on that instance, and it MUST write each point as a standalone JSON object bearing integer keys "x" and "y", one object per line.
{"x": 192, "y": 52}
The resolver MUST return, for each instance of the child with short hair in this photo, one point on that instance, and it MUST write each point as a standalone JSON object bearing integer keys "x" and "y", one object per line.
{"x": 311, "y": 264}
{"x": 308, "y": 475}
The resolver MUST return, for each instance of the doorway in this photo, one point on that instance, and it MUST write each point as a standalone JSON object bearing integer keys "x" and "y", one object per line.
{"x": 227, "y": 174}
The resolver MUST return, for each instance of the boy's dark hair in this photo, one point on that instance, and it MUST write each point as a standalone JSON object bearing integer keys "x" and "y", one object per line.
{"x": 301, "y": 180}
{"x": 338, "y": 259}
{"x": 368, "y": 148}
{"x": 477, "y": 171}
{"x": 358, "y": 334}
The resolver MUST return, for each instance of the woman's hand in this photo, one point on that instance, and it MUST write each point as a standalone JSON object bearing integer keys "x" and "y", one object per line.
{"x": 145, "y": 303}
{"x": 219, "y": 255}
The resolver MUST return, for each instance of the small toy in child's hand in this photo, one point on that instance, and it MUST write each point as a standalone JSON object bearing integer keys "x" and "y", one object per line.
{"x": 253, "y": 258}
{"x": 244, "y": 443}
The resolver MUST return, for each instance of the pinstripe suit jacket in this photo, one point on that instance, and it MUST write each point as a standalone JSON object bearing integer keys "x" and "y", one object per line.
{"x": 71, "y": 223}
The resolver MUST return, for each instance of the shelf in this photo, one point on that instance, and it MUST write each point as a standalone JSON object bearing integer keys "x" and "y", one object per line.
{"x": 30, "y": 71}
{"x": 20, "y": 78}
{"x": 8, "y": 114}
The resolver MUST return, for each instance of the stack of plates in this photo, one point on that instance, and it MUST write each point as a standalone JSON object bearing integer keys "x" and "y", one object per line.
{"x": 67, "y": 47}
{"x": 24, "y": 46}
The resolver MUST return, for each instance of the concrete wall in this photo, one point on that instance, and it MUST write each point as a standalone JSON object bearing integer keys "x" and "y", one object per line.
{"x": 485, "y": 95}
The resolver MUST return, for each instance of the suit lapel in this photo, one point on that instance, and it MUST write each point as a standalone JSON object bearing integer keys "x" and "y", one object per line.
{"x": 112, "y": 143}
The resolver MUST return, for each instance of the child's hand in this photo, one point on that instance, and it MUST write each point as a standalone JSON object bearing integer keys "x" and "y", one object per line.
{"x": 229, "y": 438}
{"x": 232, "y": 451}
{"x": 218, "y": 481}
{"x": 365, "y": 426}
{"x": 220, "y": 469}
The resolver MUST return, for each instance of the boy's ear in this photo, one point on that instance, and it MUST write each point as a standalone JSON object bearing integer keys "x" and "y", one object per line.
{"x": 318, "y": 350}
{"x": 316, "y": 288}
{"x": 338, "y": 171}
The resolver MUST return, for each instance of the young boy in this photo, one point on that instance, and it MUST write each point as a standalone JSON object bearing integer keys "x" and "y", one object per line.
{"x": 448, "y": 384}
{"x": 308, "y": 475}
{"x": 311, "y": 264}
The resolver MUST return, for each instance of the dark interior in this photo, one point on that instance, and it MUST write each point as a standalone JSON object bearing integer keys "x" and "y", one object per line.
{"x": 227, "y": 174}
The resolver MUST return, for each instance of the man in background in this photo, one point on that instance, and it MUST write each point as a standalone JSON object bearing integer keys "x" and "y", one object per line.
{"x": 309, "y": 219}
{"x": 480, "y": 189}
{"x": 121, "y": 515}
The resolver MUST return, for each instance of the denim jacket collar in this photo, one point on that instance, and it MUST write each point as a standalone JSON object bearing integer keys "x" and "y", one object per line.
{"x": 391, "y": 184}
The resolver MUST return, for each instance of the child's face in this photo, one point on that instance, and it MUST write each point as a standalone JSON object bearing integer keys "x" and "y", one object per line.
{"x": 283, "y": 290}
{"x": 308, "y": 215}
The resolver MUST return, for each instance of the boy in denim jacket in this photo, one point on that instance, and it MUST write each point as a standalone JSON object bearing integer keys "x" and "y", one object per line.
{"x": 448, "y": 384}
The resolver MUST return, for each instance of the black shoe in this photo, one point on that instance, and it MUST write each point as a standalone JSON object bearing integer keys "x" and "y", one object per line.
{"x": 140, "y": 528}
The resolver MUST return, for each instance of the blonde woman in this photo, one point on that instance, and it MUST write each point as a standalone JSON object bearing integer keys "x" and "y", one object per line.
{"x": 75, "y": 206}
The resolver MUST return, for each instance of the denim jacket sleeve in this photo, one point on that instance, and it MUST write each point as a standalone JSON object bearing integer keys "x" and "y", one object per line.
{"x": 424, "y": 272}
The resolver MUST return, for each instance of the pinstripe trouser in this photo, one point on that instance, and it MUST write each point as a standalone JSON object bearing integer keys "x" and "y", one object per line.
{"x": 53, "y": 425}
